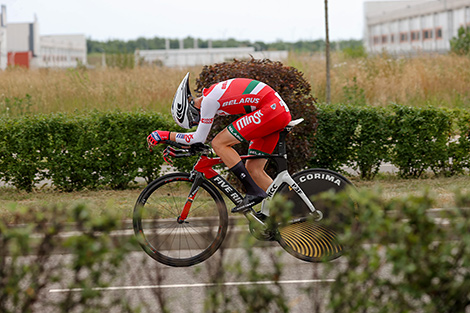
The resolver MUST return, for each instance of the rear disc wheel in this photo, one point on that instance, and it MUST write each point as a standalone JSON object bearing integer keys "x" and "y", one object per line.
{"x": 307, "y": 239}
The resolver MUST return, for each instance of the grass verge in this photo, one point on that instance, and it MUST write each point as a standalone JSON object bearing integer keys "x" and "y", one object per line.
{"x": 121, "y": 202}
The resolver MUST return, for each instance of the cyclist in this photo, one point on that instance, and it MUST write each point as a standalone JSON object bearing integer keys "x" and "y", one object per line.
{"x": 265, "y": 115}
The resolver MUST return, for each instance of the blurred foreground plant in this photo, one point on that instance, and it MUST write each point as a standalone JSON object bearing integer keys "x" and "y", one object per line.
{"x": 400, "y": 258}
{"x": 31, "y": 264}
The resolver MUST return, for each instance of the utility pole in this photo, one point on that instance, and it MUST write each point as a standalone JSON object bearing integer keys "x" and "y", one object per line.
{"x": 327, "y": 52}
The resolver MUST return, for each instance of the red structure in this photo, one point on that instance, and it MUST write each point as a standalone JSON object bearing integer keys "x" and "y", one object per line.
{"x": 20, "y": 58}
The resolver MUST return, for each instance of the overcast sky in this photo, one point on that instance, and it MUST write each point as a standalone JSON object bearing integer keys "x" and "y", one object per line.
{"x": 263, "y": 20}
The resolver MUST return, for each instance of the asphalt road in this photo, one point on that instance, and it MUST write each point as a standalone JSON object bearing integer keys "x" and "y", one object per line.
{"x": 142, "y": 281}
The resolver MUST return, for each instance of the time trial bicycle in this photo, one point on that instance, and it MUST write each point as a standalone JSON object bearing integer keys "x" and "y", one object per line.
{"x": 180, "y": 219}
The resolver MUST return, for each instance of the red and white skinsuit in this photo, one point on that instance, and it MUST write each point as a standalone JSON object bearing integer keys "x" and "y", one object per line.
{"x": 265, "y": 114}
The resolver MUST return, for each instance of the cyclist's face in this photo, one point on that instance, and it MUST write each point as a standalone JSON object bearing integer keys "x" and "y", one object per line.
{"x": 197, "y": 102}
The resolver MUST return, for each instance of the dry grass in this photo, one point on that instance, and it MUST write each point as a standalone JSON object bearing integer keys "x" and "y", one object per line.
{"x": 79, "y": 89}
{"x": 441, "y": 80}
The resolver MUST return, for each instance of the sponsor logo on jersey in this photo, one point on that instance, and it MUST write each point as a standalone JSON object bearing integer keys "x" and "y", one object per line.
{"x": 188, "y": 137}
{"x": 246, "y": 120}
{"x": 273, "y": 106}
{"x": 283, "y": 104}
{"x": 224, "y": 85}
{"x": 185, "y": 137}
{"x": 240, "y": 101}
{"x": 235, "y": 133}
{"x": 207, "y": 120}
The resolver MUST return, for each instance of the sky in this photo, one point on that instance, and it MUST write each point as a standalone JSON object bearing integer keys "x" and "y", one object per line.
{"x": 253, "y": 20}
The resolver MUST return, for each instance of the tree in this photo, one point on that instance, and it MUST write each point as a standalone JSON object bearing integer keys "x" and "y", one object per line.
{"x": 461, "y": 44}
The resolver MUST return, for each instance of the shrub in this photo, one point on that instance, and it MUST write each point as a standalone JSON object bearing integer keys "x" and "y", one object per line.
{"x": 22, "y": 150}
{"x": 458, "y": 148}
{"x": 97, "y": 149}
{"x": 79, "y": 151}
{"x": 333, "y": 141}
{"x": 420, "y": 137}
{"x": 371, "y": 141}
{"x": 413, "y": 139}
{"x": 401, "y": 259}
{"x": 461, "y": 44}
{"x": 351, "y": 135}
{"x": 71, "y": 157}
{"x": 288, "y": 82}
{"x": 119, "y": 141}
{"x": 30, "y": 260}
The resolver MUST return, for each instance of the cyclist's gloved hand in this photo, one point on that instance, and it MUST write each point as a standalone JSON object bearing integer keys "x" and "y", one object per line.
{"x": 156, "y": 137}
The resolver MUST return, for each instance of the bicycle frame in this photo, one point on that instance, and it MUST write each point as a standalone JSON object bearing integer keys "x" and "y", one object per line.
{"x": 204, "y": 169}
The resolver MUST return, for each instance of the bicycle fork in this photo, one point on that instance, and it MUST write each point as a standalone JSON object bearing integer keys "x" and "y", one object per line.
{"x": 284, "y": 177}
{"x": 198, "y": 179}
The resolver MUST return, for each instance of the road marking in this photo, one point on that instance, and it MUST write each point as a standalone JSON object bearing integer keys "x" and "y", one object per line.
{"x": 244, "y": 283}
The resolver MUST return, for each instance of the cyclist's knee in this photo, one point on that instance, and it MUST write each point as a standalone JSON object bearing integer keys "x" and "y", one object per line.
{"x": 219, "y": 143}
{"x": 216, "y": 144}
{"x": 255, "y": 169}
{"x": 223, "y": 140}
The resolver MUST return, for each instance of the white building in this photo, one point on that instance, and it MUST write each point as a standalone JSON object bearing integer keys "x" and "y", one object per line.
{"x": 63, "y": 51}
{"x": 405, "y": 27}
{"x": 60, "y": 51}
{"x": 201, "y": 56}
{"x": 3, "y": 38}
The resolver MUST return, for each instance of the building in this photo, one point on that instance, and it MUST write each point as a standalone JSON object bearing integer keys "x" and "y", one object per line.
{"x": 23, "y": 43}
{"x": 200, "y": 56}
{"x": 407, "y": 27}
{"x": 3, "y": 38}
{"x": 27, "y": 47}
{"x": 63, "y": 51}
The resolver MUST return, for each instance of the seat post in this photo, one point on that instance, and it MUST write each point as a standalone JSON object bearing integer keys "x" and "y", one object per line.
{"x": 282, "y": 141}
{"x": 281, "y": 144}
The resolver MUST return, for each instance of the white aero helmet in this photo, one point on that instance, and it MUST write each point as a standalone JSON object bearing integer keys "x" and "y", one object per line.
{"x": 183, "y": 110}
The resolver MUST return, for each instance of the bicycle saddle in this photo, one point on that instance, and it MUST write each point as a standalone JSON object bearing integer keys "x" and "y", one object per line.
{"x": 295, "y": 122}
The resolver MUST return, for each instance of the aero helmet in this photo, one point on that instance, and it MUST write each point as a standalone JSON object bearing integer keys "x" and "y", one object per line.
{"x": 183, "y": 110}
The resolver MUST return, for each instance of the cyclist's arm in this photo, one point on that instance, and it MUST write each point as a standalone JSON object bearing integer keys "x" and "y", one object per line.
{"x": 209, "y": 108}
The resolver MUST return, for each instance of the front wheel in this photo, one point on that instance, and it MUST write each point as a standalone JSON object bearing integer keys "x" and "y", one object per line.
{"x": 307, "y": 239}
{"x": 167, "y": 239}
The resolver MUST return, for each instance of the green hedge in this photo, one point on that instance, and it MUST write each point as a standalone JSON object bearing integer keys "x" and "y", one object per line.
{"x": 412, "y": 139}
{"x": 87, "y": 151}
{"x": 79, "y": 151}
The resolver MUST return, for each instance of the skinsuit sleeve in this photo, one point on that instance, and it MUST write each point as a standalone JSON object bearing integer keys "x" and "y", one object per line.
{"x": 209, "y": 108}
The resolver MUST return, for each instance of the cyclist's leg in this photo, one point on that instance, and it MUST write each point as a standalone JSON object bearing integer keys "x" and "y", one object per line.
{"x": 222, "y": 145}
{"x": 257, "y": 124}
{"x": 256, "y": 169}
{"x": 261, "y": 146}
